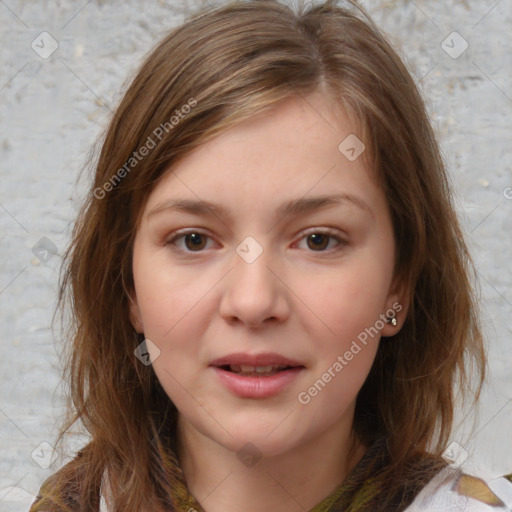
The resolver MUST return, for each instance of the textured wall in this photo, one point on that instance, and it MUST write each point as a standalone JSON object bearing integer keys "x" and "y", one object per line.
{"x": 53, "y": 106}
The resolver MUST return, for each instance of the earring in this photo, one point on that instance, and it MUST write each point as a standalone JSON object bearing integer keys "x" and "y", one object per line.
{"x": 393, "y": 321}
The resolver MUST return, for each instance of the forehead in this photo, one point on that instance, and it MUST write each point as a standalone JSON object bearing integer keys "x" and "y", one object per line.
{"x": 288, "y": 152}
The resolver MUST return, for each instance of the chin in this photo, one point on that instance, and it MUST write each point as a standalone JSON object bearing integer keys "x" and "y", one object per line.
{"x": 253, "y": 439}
{"x": 255, "y": 445}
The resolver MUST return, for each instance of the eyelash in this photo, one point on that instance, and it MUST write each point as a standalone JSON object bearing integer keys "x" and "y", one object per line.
{"x": 330, "y": 233}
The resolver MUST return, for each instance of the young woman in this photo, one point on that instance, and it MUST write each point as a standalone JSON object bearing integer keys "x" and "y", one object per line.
{"x": 271, "y": 294}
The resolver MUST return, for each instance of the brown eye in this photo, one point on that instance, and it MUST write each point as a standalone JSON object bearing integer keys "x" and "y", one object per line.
{"x": 194, "y": 241}
{"x": 319, "y": 241}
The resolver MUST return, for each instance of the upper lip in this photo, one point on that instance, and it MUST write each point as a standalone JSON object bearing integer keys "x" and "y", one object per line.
{"x": 266, "y": 359}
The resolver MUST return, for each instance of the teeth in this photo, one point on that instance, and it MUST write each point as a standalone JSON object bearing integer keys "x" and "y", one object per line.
{"x": 244, "y": 368}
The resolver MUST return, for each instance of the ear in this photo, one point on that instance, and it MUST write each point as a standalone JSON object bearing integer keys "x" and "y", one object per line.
{"x": 135, "y": 315}
{"x": 397, "y": 305}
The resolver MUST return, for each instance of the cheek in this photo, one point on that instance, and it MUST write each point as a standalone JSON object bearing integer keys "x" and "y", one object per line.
{"x": 345, "y": 331}
{"x": 171, "y": 310}
{"x": 348, "y": 302}
{"x": 345, "y": 352}
{"x": 167, "y": 297}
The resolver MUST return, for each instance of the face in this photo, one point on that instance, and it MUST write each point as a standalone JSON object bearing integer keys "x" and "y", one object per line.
{"x": 270, "y": 275}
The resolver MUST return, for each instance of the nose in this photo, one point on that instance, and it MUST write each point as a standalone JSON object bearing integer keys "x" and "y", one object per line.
{"x": 254, "y": 293}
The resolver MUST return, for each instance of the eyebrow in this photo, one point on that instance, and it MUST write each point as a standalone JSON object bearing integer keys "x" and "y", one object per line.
{"x": 293, "y": 207}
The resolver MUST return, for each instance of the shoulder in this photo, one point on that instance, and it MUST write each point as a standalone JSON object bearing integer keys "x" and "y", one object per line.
{"x": 452, "y": 490}
{"x": 105, "y": 494}
{"x": 64, "y": 489}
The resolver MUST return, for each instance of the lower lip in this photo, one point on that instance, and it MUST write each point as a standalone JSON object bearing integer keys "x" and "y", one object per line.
{"x": 257, "y": 387}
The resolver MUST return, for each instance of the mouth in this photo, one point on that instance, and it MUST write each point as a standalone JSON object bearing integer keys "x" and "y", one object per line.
{"x": 256, "y": 365}
{"x": 256, "y": 376}
{"x": 256, "y": 371}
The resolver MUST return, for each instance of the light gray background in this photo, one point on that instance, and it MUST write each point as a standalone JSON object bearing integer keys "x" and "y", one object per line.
{"x": 53, "y": 109}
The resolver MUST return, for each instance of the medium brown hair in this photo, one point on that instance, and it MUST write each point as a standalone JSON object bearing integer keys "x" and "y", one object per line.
{"x": 234, "y": 62}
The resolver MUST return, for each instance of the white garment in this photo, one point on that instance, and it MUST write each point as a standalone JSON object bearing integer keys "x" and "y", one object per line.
{"x": 440, "y": 496}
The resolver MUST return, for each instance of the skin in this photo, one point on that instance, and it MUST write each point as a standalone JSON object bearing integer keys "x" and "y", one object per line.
{"x": 307, "y": 302}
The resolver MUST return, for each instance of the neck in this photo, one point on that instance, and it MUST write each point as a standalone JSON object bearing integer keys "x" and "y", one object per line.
{"x": 293, "y": 481}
